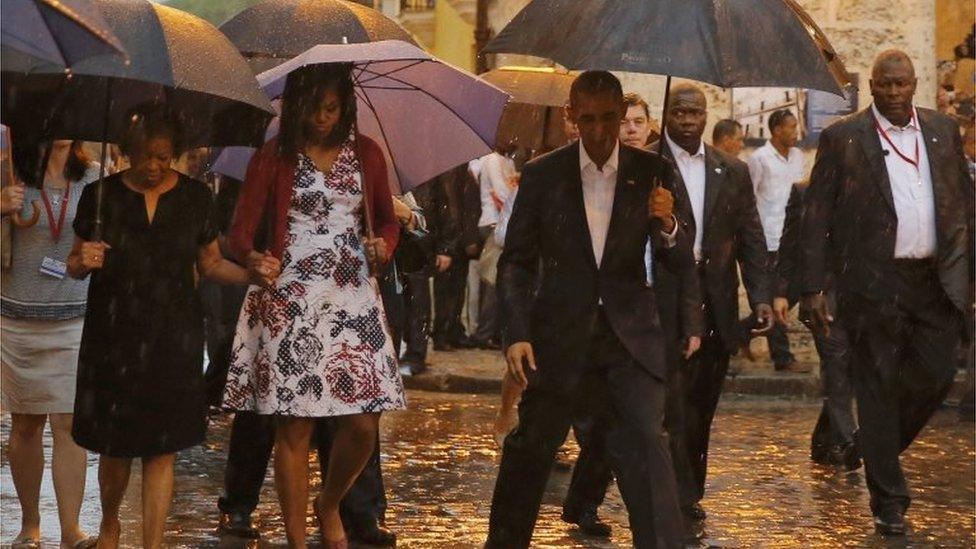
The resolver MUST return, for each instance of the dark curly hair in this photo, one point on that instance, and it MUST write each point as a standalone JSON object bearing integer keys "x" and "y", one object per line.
{"x": 303, "y": 92}
{"x": 148, "y": 120}
{"x": 27, "y": 159}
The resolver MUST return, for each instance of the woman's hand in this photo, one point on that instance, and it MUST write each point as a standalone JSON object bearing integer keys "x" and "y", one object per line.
{"x": 11, "y": 199}
{"x": 263, "y": 268}
{"x": 85, "y": 257}
{"x": 376, "y": 253}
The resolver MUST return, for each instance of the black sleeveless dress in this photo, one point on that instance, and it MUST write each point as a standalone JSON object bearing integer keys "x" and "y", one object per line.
{"x": 140, "y": 369}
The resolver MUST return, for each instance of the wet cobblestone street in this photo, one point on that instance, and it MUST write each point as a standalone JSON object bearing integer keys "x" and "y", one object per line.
{"x": 440, "y": 464}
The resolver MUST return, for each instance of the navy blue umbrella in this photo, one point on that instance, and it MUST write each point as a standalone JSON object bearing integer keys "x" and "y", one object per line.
{"x": 741, "y": 43}
{"x": 62, "y": 32}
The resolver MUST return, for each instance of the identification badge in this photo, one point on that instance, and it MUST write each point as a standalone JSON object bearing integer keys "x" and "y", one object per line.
{"x": 53, "y": 267}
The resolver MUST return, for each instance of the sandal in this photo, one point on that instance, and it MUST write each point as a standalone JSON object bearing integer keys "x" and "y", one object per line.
{"x": 25, "y": 543}
{"x": 88, "y": 543}
{"x": 327, "y": 544}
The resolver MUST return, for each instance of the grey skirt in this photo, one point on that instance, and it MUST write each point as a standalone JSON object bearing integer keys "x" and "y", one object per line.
{"x": 38, "y": 365}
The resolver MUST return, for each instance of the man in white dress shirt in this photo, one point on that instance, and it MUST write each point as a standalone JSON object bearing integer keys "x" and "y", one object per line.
{"x": 889, "y": 213}
{"x": 775, "y": 168}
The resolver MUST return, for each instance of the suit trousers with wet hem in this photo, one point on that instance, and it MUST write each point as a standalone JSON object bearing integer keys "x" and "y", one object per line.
{"x": 904, "y": 364}
{"x": 621, "y": 397}
{"x": 836, "y": 424}
{"x": 416, "y": 295}
{"x": 252, "y": 440}
{"x": 694, "y": 390}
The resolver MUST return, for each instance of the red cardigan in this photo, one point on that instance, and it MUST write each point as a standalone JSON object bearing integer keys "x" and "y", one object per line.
{"x": 269, "y": 181}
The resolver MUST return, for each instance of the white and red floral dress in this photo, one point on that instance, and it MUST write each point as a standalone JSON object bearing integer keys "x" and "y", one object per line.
{"x": 317, "y": 344}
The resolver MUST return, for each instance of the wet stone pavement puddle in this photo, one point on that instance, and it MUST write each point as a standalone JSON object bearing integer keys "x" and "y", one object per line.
{"x": 440, "y": 464}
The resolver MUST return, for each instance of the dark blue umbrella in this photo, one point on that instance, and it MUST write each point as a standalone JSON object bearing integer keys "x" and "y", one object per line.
{"x": 62, "y": 32}
{"x": 741, "y": 43}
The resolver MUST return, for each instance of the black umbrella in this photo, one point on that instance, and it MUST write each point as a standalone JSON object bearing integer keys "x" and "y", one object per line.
{"x": 737, "y": 43}
{"x": 532, "y": 118}
{"x": 58, "y": 31}
{"x": 176, "y": 58}
{"x": 278, "y": 30}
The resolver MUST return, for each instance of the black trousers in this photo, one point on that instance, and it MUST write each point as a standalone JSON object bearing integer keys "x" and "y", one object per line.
{"x": 449, "y": 292}
{"x": 627, "y": 402}
{"x": 904, "y": 364}
{"x": 694, "y": 390}
{"x": 592, "y": 473}
{"x": 416, "y": 295}
{"x": 251, "y": 442}
{"x": 836, "y": 424}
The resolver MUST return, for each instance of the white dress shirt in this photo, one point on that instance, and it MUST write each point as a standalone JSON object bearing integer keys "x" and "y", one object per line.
{"x": 494, "y": 174}
{"x": 599, "y": 187}
{"x": 773, "y": 176}
{"x": 692, "y": 168}
{"x": 911, "y": 188}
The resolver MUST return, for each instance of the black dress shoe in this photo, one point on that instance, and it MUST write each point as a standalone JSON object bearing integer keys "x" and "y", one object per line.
{"x": 890, "y": 522}
{"x": 237, "y": 524}
{"x": 372, "y": 532}
{"x": 694, "y": 512}
{"x": 589, "y": 523}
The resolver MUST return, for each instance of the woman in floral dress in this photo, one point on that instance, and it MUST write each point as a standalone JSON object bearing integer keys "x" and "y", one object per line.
{"x": 316, "y": 343}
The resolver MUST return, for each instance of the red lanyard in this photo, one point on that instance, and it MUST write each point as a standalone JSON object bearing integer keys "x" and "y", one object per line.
{"x": 56, "y": 227}
{"x": 891, "y": 143}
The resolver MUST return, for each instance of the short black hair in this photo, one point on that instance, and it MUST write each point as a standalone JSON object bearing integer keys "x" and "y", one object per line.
{"x": 778, "y": 118}
{"x": 148, "y": 120}
{"x": 303, "y": 92}
{"x": 635, "y": 100}
{"x": 725, "y": 128}
{"x": 596, "y": 82}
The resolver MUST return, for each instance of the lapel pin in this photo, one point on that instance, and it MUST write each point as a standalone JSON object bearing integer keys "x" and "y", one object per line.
{"x": 630, "y": 181}
{"x": 935, "y": 139}
{"x": 718, "y": 170}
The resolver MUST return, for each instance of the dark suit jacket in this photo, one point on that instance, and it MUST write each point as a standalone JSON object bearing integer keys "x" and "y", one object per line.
{"x": 850, "y": 212}
{"x": 732, "y": 234}
{"x": 441, "y": 203}
{"x": 786, "y": 280}
{"x": 548, "y": 228}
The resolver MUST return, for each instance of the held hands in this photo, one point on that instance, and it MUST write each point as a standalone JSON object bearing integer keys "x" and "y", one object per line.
{"x": 376, "y": 253}
{"x": 403, "y": 213}
{"x": 814, "y": 313}
{"x": 660, "y": 205}
{"x": 263, "y": 268}
{"x": 11, "y": 199}
{"x": 93, "y": 255}
{"x": 517, "y": 355}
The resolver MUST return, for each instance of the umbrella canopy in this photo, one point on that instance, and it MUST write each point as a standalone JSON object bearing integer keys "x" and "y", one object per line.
{"x": 534, "y": 117}
{"x": 285, "y": 28}
{"x": 533, "y": 85}
{"x": 426, "y": 115}
{"x": 62, "y": 32}
{"x": 175, "y": 57}
{"x": 729, "y": 44}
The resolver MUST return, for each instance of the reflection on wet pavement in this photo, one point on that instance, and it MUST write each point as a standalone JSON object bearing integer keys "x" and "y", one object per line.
{"x": 440, "y": 464}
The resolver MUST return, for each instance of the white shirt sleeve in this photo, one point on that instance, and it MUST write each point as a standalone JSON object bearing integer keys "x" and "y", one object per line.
{"x": 755, "y": 170}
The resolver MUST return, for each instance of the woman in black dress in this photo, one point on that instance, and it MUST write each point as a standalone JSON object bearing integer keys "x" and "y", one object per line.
{"x": 140, "y": 369}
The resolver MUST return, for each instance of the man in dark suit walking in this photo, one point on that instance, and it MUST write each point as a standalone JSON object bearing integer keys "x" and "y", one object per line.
{"x": 580, "y": 324}
{"x": 726, "y": 233}
{"x": 889, "y": 212}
